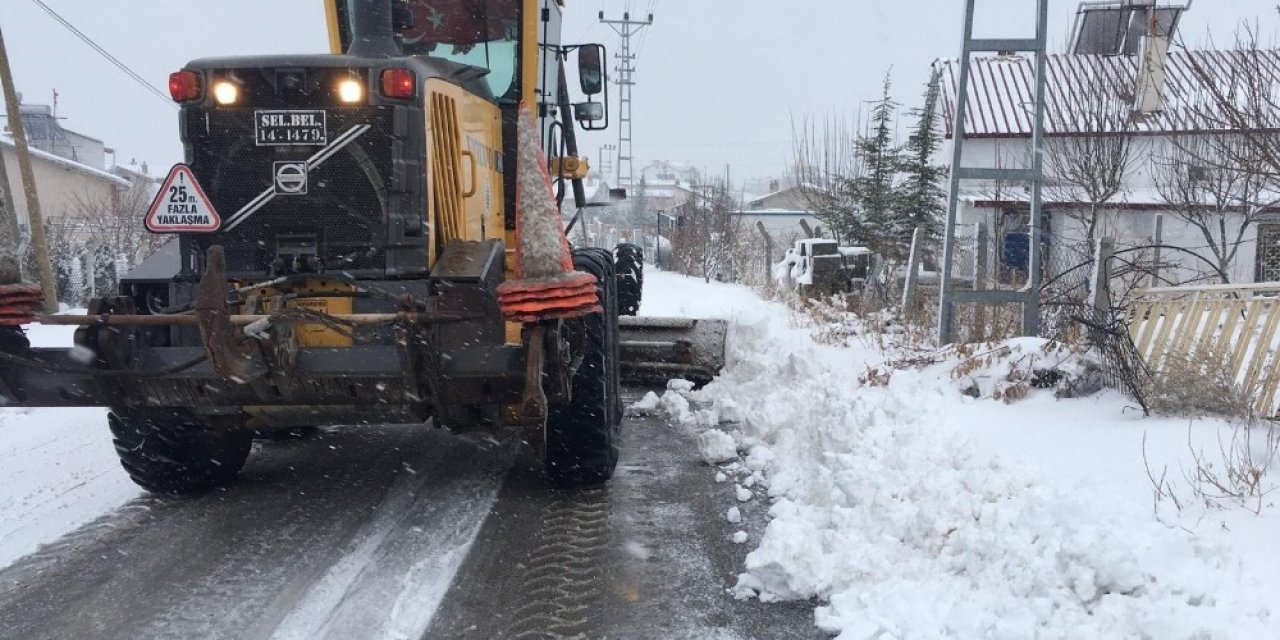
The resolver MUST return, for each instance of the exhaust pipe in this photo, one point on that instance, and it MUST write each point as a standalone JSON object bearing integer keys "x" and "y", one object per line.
{"x": 372, "y": 29}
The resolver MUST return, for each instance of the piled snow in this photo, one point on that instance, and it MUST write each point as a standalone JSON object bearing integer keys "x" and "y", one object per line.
{"x": 716, "y": 447}
{"x": 646, "y": 405}
{"x": 886, "y": 512}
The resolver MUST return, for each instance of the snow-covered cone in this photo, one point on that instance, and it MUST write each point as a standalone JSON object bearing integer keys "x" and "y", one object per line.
{"x": 546, "y": 286}
{"x": 542, "y": 250}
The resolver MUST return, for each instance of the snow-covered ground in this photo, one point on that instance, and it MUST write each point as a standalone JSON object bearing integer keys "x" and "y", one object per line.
{"x": 912, "y": 511}
{"x": 58, "y": 469}
{"x": 906, "y": 510}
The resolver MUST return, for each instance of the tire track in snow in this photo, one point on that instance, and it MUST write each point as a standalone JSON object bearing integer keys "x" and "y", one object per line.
{"x": 562, "y": 574}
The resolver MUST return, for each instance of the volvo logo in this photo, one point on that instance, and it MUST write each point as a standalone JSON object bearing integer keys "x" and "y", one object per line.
{"x": 291, "y": 178}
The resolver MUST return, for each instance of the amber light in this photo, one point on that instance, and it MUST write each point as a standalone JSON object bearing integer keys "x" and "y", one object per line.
{"x": 185, "y": 86}
{"x": 399, "y": 83}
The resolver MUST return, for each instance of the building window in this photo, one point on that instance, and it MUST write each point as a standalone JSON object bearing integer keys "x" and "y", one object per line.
{"x": 1268, "y": 258}
{"x": 1013, "y": 246}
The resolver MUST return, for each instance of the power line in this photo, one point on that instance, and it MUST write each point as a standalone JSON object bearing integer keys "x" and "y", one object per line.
{"x": 105, "y": 54}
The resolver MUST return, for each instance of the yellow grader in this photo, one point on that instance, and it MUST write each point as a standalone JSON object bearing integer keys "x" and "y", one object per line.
{"x": 369, "y": 236}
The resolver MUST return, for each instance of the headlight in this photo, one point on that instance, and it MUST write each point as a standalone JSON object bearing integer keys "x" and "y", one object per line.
{"x": 350, "y": 91}
{"x": 225, "y": 93}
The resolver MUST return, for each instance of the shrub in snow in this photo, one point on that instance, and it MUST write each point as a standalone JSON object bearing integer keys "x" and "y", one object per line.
{"x": 734, "y": 515}
{"x": 1006, "y": 371}
{"x": 1192, "y": 386}
{"x": 739, "y": 537}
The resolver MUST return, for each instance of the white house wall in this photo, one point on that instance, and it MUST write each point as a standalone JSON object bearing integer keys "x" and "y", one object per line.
{"x": 61, "y": 189}
{"x": 1130, "y": 228}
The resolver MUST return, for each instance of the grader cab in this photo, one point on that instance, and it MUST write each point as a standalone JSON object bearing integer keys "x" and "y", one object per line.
{"x": 368, "y": 236}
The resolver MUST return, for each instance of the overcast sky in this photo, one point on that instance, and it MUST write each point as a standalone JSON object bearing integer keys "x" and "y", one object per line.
{"x": 718, "y": 80}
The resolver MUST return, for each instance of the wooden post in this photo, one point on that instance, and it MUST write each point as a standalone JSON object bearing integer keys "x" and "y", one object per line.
{"x": 10, "y": 234}
{"x": 911, "y": 285}
{"x": 38, "y": 240}
{"x": 1157, "y": 240}
{"x": 808, "y": 231}
{"x": 981, "y": 249}
{"x": 1100, "y": 283}
{"x": 768, "y": 253}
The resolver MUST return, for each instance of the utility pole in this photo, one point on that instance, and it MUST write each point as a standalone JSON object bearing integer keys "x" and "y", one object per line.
{"x": 606, "y": 163}
{"x": 10, "y": 234}
{"x": 626, "y": 27}
{"x": 38, "y": 239}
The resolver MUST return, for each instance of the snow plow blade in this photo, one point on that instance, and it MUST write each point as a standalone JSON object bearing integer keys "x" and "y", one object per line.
{"x": 655, "y": 350}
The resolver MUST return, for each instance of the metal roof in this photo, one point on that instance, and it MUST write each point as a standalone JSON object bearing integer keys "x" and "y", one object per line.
{"x": 1001, "y": 90}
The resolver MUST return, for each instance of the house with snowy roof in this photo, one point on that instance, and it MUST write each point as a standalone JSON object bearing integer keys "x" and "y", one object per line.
{"x": 71, "y": 169}
{"x": 784, "y": 213}
{"x": 1138, "y": 154}
{"x": 92, "y": 208}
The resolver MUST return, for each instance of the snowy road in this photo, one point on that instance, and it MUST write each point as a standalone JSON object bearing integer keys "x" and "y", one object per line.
{"x": 350, "y": 534}
{"x": 359, "y": 534}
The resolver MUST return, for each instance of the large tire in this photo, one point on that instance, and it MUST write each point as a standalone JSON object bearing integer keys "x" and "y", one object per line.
{"x": 629, "y": 266}
{"x": 583, "y": 435}
{"x": 170, "y": 451}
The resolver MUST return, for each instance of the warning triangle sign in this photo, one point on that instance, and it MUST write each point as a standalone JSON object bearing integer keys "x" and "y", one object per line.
{"x": 182, "y": 206}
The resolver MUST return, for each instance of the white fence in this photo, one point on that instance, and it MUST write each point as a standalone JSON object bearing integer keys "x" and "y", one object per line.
{"x": 1224, "y": 328}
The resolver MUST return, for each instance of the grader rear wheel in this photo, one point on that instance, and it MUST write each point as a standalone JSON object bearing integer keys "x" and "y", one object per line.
{"x": 582, "y": 435}
{"x": 172, "y": 451}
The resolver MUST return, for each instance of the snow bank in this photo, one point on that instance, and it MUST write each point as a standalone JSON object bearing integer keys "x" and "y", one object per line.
{"x": 885, "y": 513}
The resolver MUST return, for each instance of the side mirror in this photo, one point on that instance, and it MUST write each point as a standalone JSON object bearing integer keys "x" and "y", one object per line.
{"x": 588, "y": 112}
{"x": 591, "y": 68}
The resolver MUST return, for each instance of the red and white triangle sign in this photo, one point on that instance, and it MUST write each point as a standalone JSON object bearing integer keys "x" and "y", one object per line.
{"x": 182, "y": 206}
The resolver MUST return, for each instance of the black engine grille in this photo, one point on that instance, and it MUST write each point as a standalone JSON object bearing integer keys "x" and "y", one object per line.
{"x": 344, "y": 207}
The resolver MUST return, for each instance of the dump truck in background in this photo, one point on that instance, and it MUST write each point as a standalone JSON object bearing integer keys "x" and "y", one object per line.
{"x": 363, "y": 237}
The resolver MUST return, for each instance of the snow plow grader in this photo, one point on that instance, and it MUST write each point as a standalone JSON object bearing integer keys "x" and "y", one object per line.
{"x": 368, "y": 236}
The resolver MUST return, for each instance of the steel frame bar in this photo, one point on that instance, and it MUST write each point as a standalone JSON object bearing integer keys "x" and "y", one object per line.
{"x": 1029, "y": 297}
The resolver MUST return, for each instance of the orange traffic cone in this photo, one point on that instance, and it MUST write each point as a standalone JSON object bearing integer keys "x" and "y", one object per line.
{"x": 546, "y": 286}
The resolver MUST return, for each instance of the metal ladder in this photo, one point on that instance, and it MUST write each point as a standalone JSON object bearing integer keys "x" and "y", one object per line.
{"x": 1029, "y": 297}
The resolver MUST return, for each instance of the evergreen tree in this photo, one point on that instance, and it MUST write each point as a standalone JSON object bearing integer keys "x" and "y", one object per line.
{"x": 921, "y": 197}
{"x": 874, "y": 191}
